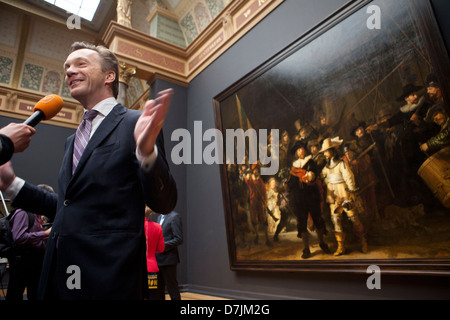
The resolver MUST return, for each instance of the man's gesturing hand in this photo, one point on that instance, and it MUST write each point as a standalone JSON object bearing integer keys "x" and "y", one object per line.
{"x": 151, "y": 121}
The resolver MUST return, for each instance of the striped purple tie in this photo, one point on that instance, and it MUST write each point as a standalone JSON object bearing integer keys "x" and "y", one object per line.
{"x": 82, "y": 137}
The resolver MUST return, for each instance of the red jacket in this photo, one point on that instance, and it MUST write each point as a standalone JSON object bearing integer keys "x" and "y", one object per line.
{"x": 155, "y": 243}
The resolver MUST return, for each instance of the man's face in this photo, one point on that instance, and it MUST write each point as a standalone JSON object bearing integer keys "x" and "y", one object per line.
{"x": 303, "y": 133}
{"x": 314, "y": 149}
{"x": 439, "y": 118}
{"x": 84, "y": 76}
{"x": 434, "y": 93}
{"x": 301, "y": 153}
{"x": 328, "y": 154}
{"x": 412, "y": 98}
{"x": 359, "y": 132}
{"x": 273, "y": 183}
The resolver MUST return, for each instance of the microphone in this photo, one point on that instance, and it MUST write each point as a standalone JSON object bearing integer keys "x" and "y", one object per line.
{"x": 45, "y": 109}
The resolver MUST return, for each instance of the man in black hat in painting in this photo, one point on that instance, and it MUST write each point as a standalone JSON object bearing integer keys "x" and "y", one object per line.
{"x": 425, "y": 129}
{"x": 412, "y": 132}
{"x": 305, "y": 197}
{"x": 363, "y": 139}
{"x": 403, "y": 117}
{"x": 412, "y": 102}
{"x": 434, "y": 89}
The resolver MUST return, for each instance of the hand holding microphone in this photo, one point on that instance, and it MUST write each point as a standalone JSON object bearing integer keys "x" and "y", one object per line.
{"x": 20, "y": 133}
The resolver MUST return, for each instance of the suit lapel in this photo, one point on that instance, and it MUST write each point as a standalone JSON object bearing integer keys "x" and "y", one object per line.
{"x": 66, "y": 167}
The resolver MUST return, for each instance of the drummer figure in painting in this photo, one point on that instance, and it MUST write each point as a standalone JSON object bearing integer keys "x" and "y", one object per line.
{"x": 434, "y": 171}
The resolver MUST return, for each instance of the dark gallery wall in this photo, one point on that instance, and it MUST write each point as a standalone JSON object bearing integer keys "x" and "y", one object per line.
{"x": 208, "y": 268}
{"x": 176, "y": 119}
{"x": 40, "y": 163}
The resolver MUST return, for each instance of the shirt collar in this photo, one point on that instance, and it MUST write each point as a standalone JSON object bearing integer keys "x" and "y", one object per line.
{"x": 104, "y": 107}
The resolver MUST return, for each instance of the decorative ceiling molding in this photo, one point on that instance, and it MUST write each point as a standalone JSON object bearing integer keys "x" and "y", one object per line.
{"x": 151, "y": 57}
{"x": 105, "y": 12}
{"x": 155, "y": 58}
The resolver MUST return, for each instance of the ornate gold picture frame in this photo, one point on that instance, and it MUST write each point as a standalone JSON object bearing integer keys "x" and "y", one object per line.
{"x": 360, "y": 109}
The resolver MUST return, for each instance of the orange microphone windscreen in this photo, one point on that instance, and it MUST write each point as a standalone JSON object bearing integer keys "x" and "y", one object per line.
{"x": 49, "y": 105}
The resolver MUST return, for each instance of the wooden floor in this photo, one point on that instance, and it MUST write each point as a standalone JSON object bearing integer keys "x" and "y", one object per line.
{"x": 184, "y": 296}
{"x": 196, "y": 296}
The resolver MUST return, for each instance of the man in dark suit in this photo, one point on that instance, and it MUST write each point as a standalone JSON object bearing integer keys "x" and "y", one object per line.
{"x": 168, "y": 260}
{"x": 97, "y": 249}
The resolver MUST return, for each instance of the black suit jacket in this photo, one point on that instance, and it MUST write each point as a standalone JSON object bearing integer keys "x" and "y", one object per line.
{"x": 99, "y": 214}
{"x": 172, "y": 229}
{"x": 6, "y": 149}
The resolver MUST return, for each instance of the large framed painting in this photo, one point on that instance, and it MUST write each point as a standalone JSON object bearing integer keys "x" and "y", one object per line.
{"x": 336, "y": 151}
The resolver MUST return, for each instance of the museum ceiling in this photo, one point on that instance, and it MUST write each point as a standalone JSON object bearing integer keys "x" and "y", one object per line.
{"x": 190, "y": 17}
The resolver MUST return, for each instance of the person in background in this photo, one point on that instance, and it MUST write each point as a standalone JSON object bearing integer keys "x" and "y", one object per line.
{"x": 26, "y": 264}
{"x": 155, "y": 243}
{"x": 258, "y": 199}
{"x": 168, "y": 259}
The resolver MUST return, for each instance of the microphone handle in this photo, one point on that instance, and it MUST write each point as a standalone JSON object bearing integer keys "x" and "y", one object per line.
{"x": 35, "y": 118}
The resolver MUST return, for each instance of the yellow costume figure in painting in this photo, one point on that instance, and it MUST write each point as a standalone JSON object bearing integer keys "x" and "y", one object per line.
{"x": 341, "y": 194}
